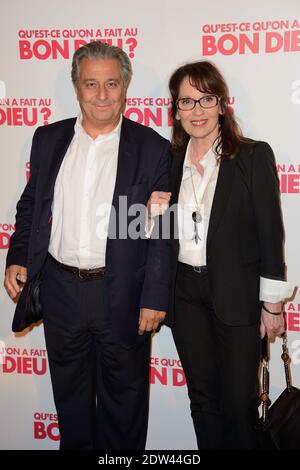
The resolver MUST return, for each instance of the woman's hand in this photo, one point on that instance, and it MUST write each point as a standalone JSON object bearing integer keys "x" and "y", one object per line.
{"x": 272, "y": 325}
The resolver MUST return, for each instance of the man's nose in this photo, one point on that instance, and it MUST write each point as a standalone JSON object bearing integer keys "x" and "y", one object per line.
{"x": 101, "y": 92}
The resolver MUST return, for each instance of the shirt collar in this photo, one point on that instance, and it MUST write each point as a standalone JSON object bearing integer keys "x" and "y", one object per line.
{"x": 79, "y": 130}
{"x": 209, "y": 159}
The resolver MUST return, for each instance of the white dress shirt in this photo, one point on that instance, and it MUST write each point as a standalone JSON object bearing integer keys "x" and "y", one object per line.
{"x": 195, "y": 254}
{"x": 83, "y": 197}
{"x": 205, "y": 185}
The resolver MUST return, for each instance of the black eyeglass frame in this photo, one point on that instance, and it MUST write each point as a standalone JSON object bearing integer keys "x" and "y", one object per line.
{"x": 198, "y": 101}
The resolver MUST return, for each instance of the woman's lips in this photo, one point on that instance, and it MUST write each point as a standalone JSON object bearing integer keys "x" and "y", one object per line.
{"x": 199, "y": 122}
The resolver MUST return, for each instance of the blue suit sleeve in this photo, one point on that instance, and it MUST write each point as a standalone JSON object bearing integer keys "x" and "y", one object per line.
{"x": 18, "y": 248}
{"x": 157, "y": 283}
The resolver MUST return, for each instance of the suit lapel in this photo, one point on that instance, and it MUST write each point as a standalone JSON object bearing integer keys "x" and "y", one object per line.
{"x": 222, "y": 192}
{"x": 125, "y": 167}
{"x": 59, "y": 150}
{"x": 127, "y": 161}
{"x": 176, "y": 178}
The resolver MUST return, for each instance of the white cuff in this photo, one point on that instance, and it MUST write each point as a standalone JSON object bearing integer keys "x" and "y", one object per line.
{"x": 273, "y": 290}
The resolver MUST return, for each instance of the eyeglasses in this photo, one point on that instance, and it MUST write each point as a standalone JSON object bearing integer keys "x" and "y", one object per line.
{"x": 187, "y": 104}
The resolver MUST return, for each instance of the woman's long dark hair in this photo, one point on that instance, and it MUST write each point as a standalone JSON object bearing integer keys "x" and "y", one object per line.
{"x": 206, "y": 78}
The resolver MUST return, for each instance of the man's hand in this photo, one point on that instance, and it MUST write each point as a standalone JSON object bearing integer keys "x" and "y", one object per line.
{"x": 11, "y": 280}
{"x": 273, "y": 325}
{"x": 150, "y": 319}
{"x": 158, "y": 203}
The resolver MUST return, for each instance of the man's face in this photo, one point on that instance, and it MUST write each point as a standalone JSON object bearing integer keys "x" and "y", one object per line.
{"x": 101, "y": 94}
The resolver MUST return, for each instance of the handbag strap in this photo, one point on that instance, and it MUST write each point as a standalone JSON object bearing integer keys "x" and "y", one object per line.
{"x": 264, "y": 396}
{"x": 286, "y": 361}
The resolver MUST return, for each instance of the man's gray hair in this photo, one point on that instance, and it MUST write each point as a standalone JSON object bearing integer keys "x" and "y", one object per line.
{"x": 101, "y": 50}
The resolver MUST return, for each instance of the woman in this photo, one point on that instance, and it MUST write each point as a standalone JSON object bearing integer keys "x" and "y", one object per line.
{"x": 228, "y": 257}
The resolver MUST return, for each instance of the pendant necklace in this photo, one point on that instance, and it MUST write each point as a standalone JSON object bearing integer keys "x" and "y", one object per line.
{"x": 196, "y": 215}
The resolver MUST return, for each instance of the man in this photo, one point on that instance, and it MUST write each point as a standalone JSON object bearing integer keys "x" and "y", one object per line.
{"x": 102, "y": 293}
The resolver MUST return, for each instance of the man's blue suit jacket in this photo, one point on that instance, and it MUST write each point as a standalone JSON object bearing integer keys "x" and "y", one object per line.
{"x": 138, "y": 271}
